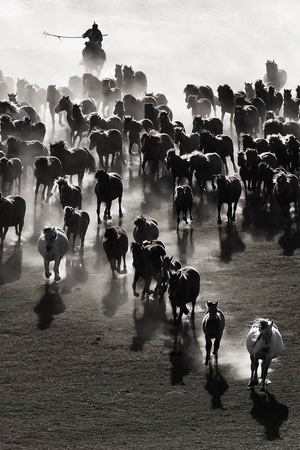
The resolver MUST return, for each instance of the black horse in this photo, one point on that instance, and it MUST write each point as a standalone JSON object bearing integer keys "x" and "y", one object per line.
{"x": 109, "y": 186}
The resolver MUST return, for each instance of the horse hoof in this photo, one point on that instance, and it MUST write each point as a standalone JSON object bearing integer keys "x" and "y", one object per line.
{"x": 57, "y": 278}
{"x": 206, "y": 363}
{"x": 48, "y": 275}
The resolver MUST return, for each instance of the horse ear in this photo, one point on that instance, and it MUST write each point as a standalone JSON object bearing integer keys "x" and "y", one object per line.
{"x": 217, "y": 302}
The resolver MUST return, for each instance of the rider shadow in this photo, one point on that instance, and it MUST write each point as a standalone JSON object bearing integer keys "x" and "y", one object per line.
{"x": 290, "y": 242}
{"x": 148, "y": 322}
{"x": 116, "y": 297}
{"x": 269, "y": 413}
{"x": 230, "y": 243}
{"x": 11, "y": 269}
{"x": 185, "y": 356}
{"x": 51, "y": 304}
{"x": 216, "y": 386}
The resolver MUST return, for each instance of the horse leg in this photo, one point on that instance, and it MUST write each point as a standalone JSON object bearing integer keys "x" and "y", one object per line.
{"x": 234, "y": 211}
{"x": 219, "y": 213}
{"x": 124, "y": 264}
{"x": 190, "y": 209}
{"x": 208, "y": 345}
{"x": 264, "y": 371}
{"x": 120, "y": 207}
{"x": 98, "y": 210}
{"x": 254, "y": 365}
{"x": 135, "y": 279}
{"x": 56, "y": 269}
{"x": 46, "y": 266}
{"x": 229, "y": 214}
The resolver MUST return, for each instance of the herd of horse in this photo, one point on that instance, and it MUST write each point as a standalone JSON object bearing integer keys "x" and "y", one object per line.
{"x": 117, "y": 115}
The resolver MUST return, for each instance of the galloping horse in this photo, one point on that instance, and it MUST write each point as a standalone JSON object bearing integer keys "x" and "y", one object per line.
{"x": 221, "y": 144}
{"x": 74, "y": 160}
{"x": 52, "y": 244}
{"x": 286, "y": 191}
{"x": 274, "y": 76}
{"x": 229, "y": 191}
{"x": 93, "y": 57}
{"x": 213, "y": 324}
{"x": 115, "y": 245}
{"x": 11, "y": 172}
{"x": 109, "y": 186}
{"x": 107, "y": 142}
{"x": 12, "y": 214}
{"x": 264, "y": 342}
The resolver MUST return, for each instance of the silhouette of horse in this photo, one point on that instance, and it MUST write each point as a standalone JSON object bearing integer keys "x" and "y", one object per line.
{"x": 134, "y": 82}
{"x": 166, "y": 126}
{"x": 109, "y": 187}
{"x": 206, "y": 167}
{"x": 36, "y": 97}
{"x": 290, "y": 105}
{"x": 93, "y": 57}
{"x": 274, "y": 76}
{"x": 52, "y": 244}
{"x": 65, "y": 104}
{"x": 69, "y": 194}
{"x": 111, "y": 94}
{"x": 12, "y": 214}
{"x": 186, "y": 143}
{"x": 11, "y": 171}
{"x": 22, "y": 129}
{"x": 113, "y": 122}
{"x": 212, "y": 124}
{"x": 73, "y": 160}
{"x": 221, "y": 144}
{"x": 107, "y": 142}
{"x": 80, "y": 124}
{"x": 246, "y": 120}
{"x": 133, "y": 128}
{"x": 46, "y": 170}
{"x": 183, "y": 201}
{"x": 213, "y": 324}
{"x": 26, "y": 151}
{"x": 229, "y": 191}
{"x": 179, "y": 166}
{"x": 201, "y": 92}
{"x": 227, "y": 100}
{"x": 115, "y": 244}
{"x": 184, "y": 287}
{"x": 76, "y": 222}
{"x": 53, "y": 97}
{"x": 286, "y": 191}
{"x": 145, "y": 229}
{"x": 264, "y": 342}
{"x": 154, "y": 148}
{"x": 200, "y": 107}
{"x": 260, "y": 144}
{"x": 147, "y": 262}
{"x": 169, "y": 264}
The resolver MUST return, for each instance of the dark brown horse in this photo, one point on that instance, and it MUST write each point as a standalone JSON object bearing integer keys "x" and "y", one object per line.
{"x": 115, "y": 244}
{"x": 75, "y": 161}
{"x": 109, "y": 187}
{"x": 12, "y": 214}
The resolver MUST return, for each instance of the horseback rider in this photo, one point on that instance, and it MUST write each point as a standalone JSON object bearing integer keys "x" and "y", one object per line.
{"x": 94, "y": 35}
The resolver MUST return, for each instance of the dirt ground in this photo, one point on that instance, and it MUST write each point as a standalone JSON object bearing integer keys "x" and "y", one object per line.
{"x": 87, "y": 365}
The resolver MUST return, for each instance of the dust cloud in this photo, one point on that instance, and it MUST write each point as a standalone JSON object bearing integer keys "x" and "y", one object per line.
{"x": 174, "y": 43}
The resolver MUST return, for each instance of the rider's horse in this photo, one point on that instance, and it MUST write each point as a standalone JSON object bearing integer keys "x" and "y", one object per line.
{"x": 263, "y": 342}
{"x": 93, "y": 57}
{"x": 213, "y": 324}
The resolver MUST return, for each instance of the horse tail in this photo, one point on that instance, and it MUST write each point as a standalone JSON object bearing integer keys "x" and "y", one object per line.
{"x": 91, "y": 163}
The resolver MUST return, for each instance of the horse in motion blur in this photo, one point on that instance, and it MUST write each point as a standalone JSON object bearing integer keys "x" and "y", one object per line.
{"x": 286, "y": 191}
{"x": 109, "y": 187}
{"x": 11, "y": 171}
{"x": 46, "y": 170}
{"x": 183, "y": 201}
{"x": 12, "y": 214}
{"x": 264, "y": 342}
{"x": 107, "y": 142}
{"x": 274, "y": 76}
{"x": 52, "y": 244}
{"x": 213, "y": 324}
{"x": 145, "y": 228}
{"x": 93, "y": 57}
{"x": 131, "y": 81}
{"x": 115, "y": 244}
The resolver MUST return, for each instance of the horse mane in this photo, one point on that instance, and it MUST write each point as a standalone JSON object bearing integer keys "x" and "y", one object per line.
{"x": 261, "y": 322}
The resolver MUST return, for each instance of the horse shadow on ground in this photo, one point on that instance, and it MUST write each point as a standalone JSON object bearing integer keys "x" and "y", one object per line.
{"x": 261, "y": 223}
{"x": 149, "y": 320}
{"x": 216, "y": 386}
{"x": 230, "y": 242}
{"x": 11, "y": 268}
{"x": 269, "y": 413}
{"x": 290, "y": 242}
{"x": 185, "y": 356}
{"x": 116, "y": 296}
{"x": 185, "y": 244}
{"x": 50, "y": 305}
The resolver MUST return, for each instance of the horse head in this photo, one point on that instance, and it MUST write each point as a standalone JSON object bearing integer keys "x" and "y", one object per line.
{"x": 50, "y": 237}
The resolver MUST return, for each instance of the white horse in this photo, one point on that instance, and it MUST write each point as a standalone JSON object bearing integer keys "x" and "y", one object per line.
{"x": 263, "y": 342}
{"x": 53, "y": 244}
